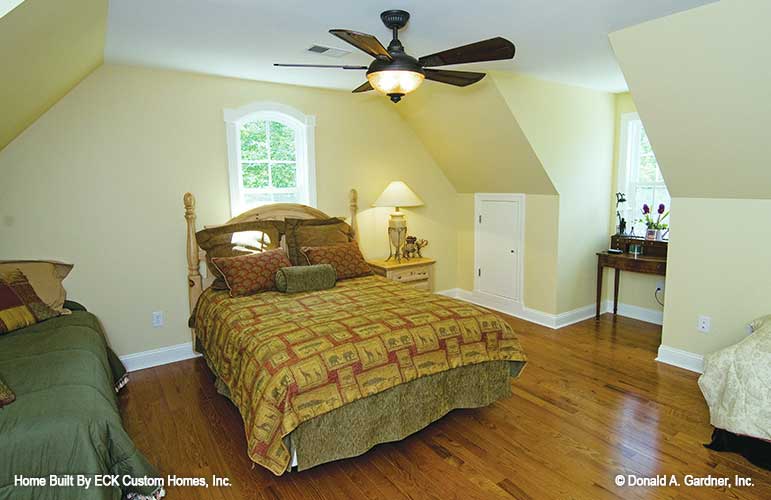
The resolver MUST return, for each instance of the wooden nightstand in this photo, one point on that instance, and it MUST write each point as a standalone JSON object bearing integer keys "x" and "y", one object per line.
{"x": 417, "y": 272}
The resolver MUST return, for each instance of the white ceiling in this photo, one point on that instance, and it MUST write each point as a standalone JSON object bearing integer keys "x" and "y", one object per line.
{"x": 559, "y": 40}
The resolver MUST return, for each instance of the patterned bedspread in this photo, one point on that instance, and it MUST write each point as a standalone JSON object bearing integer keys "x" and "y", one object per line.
{"x": 287, "y": 358}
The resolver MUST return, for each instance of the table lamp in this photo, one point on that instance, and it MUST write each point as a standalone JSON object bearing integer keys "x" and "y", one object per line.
{"x": 397, "y": 194}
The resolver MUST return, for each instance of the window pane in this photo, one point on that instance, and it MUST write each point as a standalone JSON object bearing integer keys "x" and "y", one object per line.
{"x": 255, "y": 175}
{"x": 254, "y": 141}
{"x": 286, "y": 198}
{"x": 648, "y": 169}
{"x": 282, "y": 142}
{"x": 645, "y": 145}
{"x": 284, "y": 175}
{"x": 643, "y": 195}
{"x": 256, "y": 199}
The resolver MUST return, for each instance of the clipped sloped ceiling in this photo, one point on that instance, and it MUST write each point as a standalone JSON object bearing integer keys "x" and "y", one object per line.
{"x": 46, "y": 48}
{"x": 475, "y": 139}
{"x": 701, "y": 80}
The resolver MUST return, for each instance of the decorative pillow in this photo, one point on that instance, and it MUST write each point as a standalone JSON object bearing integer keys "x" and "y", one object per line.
{"x": 19, "y": 304}
{"x": 46, "y": 278}
{"x": 314, "y": 233}
{"x": 230, "y": 240}
{"x": 305, "y": 278}
{"x": 6, "y": 394}
{"x": 247, "y": 274}
{"x": 346, "y": 258}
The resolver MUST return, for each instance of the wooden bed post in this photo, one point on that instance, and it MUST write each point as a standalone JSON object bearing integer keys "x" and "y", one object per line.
{"x": 353, "y": 207}
{"x": 193, "y": 259}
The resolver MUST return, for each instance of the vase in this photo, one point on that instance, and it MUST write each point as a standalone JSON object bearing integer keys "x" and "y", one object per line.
{"x": 659, "y": 234}
{"x": 650, "y": 234}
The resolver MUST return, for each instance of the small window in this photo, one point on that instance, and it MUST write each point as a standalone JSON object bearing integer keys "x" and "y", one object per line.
{"x": 639, "y": 174}
{"x": 270, "y": 156}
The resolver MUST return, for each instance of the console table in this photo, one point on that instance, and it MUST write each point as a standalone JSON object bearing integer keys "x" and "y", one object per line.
{"x": 652, "y": 261}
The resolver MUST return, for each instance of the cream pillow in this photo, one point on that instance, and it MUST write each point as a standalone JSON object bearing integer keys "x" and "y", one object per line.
{"x": 46, "y": 278}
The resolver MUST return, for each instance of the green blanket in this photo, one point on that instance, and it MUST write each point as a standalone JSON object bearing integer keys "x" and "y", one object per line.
{"x": 65, "y": 419}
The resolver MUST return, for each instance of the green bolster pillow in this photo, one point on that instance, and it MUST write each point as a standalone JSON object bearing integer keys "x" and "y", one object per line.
{"x": 305, "y": 278}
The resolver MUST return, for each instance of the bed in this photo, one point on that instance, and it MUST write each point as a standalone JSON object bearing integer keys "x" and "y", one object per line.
{"x": 736, "y": 384}
{"x": 324, "y": 375}
{"x": 65, "y": 418}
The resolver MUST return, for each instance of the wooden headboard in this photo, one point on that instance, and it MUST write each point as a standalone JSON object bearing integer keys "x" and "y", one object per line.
{"x": 276, "y": 212}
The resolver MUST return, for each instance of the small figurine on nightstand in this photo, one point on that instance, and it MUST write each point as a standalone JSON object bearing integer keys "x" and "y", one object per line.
{"x": 413, "y": 246}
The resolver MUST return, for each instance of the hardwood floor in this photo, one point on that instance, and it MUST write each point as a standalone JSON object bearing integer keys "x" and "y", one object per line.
{"x": 591, "y": 403}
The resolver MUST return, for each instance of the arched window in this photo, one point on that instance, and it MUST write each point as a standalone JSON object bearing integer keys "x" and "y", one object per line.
{"x": 270, "y": 156}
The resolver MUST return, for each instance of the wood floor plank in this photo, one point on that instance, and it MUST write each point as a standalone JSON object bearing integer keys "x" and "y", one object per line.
{"x": 591, "y": 404}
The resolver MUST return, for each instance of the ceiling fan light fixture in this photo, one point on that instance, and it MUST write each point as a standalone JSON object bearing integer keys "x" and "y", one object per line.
{"x": 395, "y": 82}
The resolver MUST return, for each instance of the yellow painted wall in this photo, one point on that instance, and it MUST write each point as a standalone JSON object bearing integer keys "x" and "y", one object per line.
{"x": 464, "y": 212}
{"x": 474, "y": 139}
{"x": 701, "y": 90}
{"x": 46, "y": 48}
{"x": 120, "y": 150}
{"x": 700, "y": 79}
{"x": 636, "y": 289}
{"x": 571, "y": 130}
{"x": 542, "y": 214}
{"x": 719, "y": 269}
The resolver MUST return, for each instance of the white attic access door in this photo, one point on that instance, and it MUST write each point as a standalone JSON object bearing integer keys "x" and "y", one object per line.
{"x": 498, "y": 245}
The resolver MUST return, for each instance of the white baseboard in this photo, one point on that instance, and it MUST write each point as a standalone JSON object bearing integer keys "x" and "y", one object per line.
{"x": 157, "y": 357}
{"x": 550, "y": 320}
{"x": 635, "y": 312}
{"x": 682, "y": 359}
{"x": 516, "y": 309}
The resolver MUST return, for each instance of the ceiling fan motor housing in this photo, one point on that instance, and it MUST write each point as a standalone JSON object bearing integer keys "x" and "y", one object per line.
{"x": 395, "y": 19}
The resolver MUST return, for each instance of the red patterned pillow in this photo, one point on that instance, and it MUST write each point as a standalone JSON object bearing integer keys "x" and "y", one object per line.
{"x": 246, "y": 274}
{"x": 346, "y": 258}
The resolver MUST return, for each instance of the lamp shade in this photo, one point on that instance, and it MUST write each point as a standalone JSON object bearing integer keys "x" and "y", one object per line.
{"x": 398, "y": 194}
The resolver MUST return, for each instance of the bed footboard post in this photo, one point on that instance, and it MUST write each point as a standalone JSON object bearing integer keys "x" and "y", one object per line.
{"x": 353, "y": 207}
{"x": 194, "y": 283}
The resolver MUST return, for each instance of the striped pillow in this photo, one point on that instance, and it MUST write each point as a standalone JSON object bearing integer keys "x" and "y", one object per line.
{"x": 19, "y": 304}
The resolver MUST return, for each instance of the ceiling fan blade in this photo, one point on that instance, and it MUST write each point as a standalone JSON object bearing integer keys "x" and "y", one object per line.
{"x": 317, "y": 66}
{"x": 363, "y": 41}
{"x": 364, "y": 87}
{"x": 457, "y": 78}
{"x": 493, "y": 49}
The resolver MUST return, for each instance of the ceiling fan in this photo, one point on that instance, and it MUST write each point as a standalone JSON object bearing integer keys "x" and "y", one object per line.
{"x": 396, "y": 73}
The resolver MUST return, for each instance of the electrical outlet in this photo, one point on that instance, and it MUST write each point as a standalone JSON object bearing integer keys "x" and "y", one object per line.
{"x": 704, "y": 324}
{"x": 157, "y": 319}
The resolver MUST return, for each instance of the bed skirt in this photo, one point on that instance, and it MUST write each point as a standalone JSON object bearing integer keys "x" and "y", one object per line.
{"x": 392, "y": 415}
{"x": 757, "y": 451}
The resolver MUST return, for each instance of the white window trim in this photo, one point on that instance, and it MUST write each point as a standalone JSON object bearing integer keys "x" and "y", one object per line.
{"x": 305, "y": 134}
